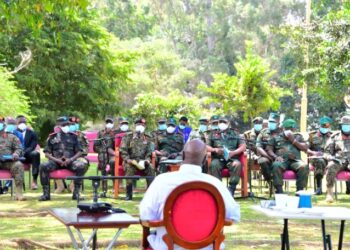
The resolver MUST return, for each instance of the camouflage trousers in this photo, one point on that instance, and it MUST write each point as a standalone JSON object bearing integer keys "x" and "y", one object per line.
{"x": 103, "y": 166}
{"x": 320, "y": 167}
{"x": 266, "y": 167}
{"x": 298, "y": 166}
{"x": 78, "y": 167}
{"x": 131, "y": 170}
{"x": 16, "y": 169}
{"x": 331, "y": 172}
{"x": 234, "y": 166}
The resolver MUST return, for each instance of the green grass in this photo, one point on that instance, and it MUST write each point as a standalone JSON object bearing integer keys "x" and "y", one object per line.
{"x": 29, "y": 220}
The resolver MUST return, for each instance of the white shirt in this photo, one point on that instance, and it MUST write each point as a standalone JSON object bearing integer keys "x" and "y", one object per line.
{"x": 152, "y": 204}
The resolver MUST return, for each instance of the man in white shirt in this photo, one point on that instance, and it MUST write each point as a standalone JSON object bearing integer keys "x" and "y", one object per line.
{"x": 152, "y": 204}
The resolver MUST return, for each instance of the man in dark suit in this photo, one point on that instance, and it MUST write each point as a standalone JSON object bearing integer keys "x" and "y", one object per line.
{"x": 29, "y": 141}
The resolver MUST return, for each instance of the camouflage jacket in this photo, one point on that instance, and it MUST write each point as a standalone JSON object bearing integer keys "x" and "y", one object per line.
{"x": 10, "y": 144}
{"x": 264, "y": 136}
{"x": 250, "y": 137}
{"x": 318, "y": 141}
{"x": 197, "y": 134}
{"x": 136, "y": 146}
{"x": 106, "y": 141}
{"x": 339, "y": 146}
{"x": 84, "y": 142}
{"x": 63, "y": 145}
{"x": 169, "y": 143}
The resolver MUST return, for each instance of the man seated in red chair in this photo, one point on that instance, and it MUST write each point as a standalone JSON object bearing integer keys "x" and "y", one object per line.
{"x": 152, "y": 204}
{"x": 63, "y": 150}
{"x": 226, "y": 147}
{"x": 136, "y": 150}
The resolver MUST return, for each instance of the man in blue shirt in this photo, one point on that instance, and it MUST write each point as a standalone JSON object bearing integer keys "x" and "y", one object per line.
{"x": 184, "y": 128}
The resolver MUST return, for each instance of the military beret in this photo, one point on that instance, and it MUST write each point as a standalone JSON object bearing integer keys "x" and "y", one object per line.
{"x": 62, "y": 120}
{"x": 223, "y": 118}
{"x": 274, "y": 116}
{"x": 123, "y": 120}
{"x": 258, "y": 119}
{"x": 345, "y": 120}
{"x": 140, "y": 120}
{"x": 2, "y": 119}
{"x": 203, "y": 119}
{"x": 162, "y": 119}
{"x": 324, "y": 120}
{"x": 171, "y": 121}
{"x": 109, "y": 119}
{"x": 10, "y": 120}
{"x": 289, "y": 123}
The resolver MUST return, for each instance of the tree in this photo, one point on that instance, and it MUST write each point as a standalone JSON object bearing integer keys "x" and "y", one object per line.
{"x": 250, "y": 91}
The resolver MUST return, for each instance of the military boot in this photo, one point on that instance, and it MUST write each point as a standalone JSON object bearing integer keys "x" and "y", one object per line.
{"x": 347, "y": 187}
{"x": 279, "y": 189}
{"x": 76, "y": 195}
{"x": 128, "y": 196}
{"x": 19, "y": 194}
{"x": 232, "y": 189}
{"x": 46, "y": 194}
{"x": 104, "y": 189}
{"x": 318, "y": 186}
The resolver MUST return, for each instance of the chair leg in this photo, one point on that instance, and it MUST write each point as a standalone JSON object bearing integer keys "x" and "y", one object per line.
{"x": 336, "y": 192}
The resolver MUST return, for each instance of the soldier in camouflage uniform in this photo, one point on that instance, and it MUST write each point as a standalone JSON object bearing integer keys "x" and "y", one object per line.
{"x": 169, "y": 146}
{"x": 317, "y": 143}
{"x": 227, "y": 138}
{"x": 161, "y": 129}
{"x": 264, "y": 159}
{"x": 250, "y": 137}
{"x": 11, "y": 146}
{"x": 62, "y": 149}
{"x": 285, "y": 149}
{"x": 123, "y": 126}
{"x": 135, "y": 147}
{"x": 201, "y": 132}
{"x": 337, "y": 152}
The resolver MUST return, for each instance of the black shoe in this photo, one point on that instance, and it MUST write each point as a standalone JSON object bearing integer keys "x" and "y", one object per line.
{"x": 76, "y": 196}
{"x": 318, "y": 191}
{"x": 279, "y": 190}
{"x": 44, "y": 198}
{"x": 103, "y": 195}
{"x": 347, "y": 191}
{"x": 232, "y": 190}
{"x": 1, "y": 192}
{"x": 5, "y": 190}
{"x": 128, "y": 196}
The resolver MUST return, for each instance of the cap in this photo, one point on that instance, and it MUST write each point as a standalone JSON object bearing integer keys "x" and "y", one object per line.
{"x": 345, "y": 120}
{"x": 258, "y": 119}
{"x": 162, "y": 119}
{"x": 123, "y": 120}
{"x": 109, "y": 119}
{"x": 274, "y": 116}
{"x": 325, "y": 120}
{"x": 62, "y": 120}
{"x": 140, "y": 120}
{"x": 203, "y": 119}
{"x": 74, "y": 119}
{"x": 171, "y": 121}
{"x": 223, "y": 119}
{"x": 2, "y": 119}
{"x": 289, "y": 123}
{"x": 214, "y": 118}
{"x": 10, "y": 120}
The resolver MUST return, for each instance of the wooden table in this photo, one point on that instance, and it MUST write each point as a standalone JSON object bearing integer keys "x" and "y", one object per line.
{"x": 74, "y": 218}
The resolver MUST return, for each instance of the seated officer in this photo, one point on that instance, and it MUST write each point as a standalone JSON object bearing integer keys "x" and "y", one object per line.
{"x": 201, "y": 132}
{"x": 136, "y": 151}
{"x": 219, "y": 141}
{"x": 10, "y": 151}
{"x": 63, "y": 150}
{"x": 285, "y": 149}
{"x": 169, "y": 145}
{"x": 123, "y": 126}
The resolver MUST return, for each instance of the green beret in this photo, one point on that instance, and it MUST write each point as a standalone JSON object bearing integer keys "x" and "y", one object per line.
{"x": 274, "y": 116}
{"x": 258, "y": 119}
{"x": 123, "y": 120}
{"x": 62, "y": 120}
{"x": 223, "y": 118}
{"x": 171, "y": 121}
{"x": 289, "y": 123}
{"x": 214, "y": 118}
{"x": 324, "y": 120}
{"x": 162, "y": 119}
{"x": 109, "y": 119}
{"x": 203, "y": 119}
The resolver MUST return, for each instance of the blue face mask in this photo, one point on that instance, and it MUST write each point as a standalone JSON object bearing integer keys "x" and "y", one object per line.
{"x": 203, "y": 128}
{"x": 10, "y": 128}
{"x": 1, "y": 126}
{"x": 272, "y": 126}
{"x": 162, "y": 126}
{"x": 72, "y": 128}
{"x": 214, "y": 127}
{"x": 257, "y": 127}
{"x": 324, "y": 130}
{"x": 77, "y": 126}
{"x": 181, "y": 126}
{"x": 345, "y": 128}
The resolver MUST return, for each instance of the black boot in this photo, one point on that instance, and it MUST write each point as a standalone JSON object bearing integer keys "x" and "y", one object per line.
{"x": 128, "y": 192}
{"x": 46, "y": 194}
{"x": 232, "y": 189}
{"x": 318, "y": 186}
{"x": 347, "y": 187}
{"x": 76, "y": 195}
{"x": 104, "y": 189}
{"x": 279, "y": 189}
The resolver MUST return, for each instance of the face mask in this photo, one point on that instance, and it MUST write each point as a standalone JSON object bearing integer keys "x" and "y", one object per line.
{"x": 223, "y": 126}
{"x": 22, "y": 126}
{"x": 65, "y": 129}
{"x": 140, "y": 128}
{"x": 324, "y": 130}
{"x": 170, "y": 129}
{"x": 10, "y": 128}
{"x": 345, "y": 128}
{"x": 77, "y": 127}
{"x": 162, "y": 127}
{"x": 181, "y": 126}
{"x": 1, "y": 126}
{"x": 257, "y": 127}
{"x": 203, "y": 128}
{"x": 214, "y": 127}
{"x": 109, "y": 125}
{"x": 72, "y": 128}
{"x": 272, "y": 126}
{"x": 287, "y": 132}
{"x": 124, "y": 127}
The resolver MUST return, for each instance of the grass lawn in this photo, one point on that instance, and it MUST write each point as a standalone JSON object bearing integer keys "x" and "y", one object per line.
{"x": 28, "y": 225}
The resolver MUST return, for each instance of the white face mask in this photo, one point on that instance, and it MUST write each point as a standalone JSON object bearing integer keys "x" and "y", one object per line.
{"x": 109, "y": 125}
{"x": 288, "y": 132}
{"x": 65, "y": 129}
{"x": 22, "y": 126}
{"x": 140, "y": 128}
{"x": 223, "y": 126}
{"x": 124, "y": 127}
{"x": 170, "y": 129}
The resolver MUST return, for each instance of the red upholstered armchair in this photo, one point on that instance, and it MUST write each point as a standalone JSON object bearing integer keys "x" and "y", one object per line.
{"x": 193, "y": 216}
{"x": 244, "y": 174}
